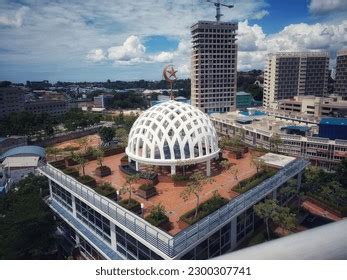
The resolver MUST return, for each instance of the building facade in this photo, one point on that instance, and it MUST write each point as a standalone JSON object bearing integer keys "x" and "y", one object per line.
{"x": 51, "y": 107}
{"x": 102, "y": 229}
{"x": 333, "y": 106}
{"x": 214, "y": 66}
{"x": 291, "y": 74}
{"x": 341, "y": 74}
{"x": 320, "y": 151}
{"x": 11, "y": 101}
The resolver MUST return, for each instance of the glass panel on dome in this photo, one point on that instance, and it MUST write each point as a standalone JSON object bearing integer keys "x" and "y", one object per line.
{"x": 195, "y": 122}
{"x": 171, "y": 133}
{"x": 166, "y": 149}
{"x": 184, "y": 118}
{"x": 159, "y": 118}
{"x": 165, "y": 124}
{"x": 199, "y": 130}
{"x": 171, "y": 116}
{"x": 156, "y": 152}
{"x": 177, "y": 124}
{"x": 177, "y": 150}
{"x": 196, "y": 150}
{"x": 160, "y": 134}
{"x": 189, "y": 126}
{"x": 182, "y": 134}
{"x": 186, "y": 150}
{"x": 154, "y": 126}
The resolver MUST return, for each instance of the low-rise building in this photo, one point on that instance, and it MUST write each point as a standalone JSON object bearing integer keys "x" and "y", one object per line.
{"x": 260, "y": 130}
{"x": 333, "y": 106}
{"x": 48, "y": 106}
{"x": 11, "y": 101}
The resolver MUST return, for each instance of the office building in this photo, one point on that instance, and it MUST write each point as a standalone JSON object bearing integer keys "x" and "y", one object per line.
{"x": 49, "y": 106}
{"x": 296, "y": 73}
{"x": 341, "y": 74}
{"x": 11, "y": 101}
{"x": 214, "y": 66}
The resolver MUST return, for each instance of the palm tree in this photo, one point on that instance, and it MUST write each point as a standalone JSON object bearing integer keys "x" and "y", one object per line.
{"x": 195, "y": 187}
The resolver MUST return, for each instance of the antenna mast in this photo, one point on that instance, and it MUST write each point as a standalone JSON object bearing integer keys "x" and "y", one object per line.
{"x": 217, "y": 5}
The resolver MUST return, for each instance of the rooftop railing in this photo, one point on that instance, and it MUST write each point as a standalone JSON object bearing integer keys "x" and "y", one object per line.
{"x": 173, "y": 245}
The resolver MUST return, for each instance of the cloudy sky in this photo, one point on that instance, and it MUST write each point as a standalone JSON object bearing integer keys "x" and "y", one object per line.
{"x": 96, "y": 40}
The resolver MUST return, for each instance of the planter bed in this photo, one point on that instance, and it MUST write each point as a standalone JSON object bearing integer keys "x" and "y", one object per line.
{"x": 204, "y": 209}
{"x": 73, "y": 172}
{"x": 107, "y": 191}
{"x": 70, "y": 161}
{"x": 87, "y": 180}
{"x": 134, "y": 206}
{"x": 60, "y": 164}
{"x": 254, "y": 181}
{"x": 103, "y": 171}
{"x": 163, "y": 223}
{"x": 146, "y": 191}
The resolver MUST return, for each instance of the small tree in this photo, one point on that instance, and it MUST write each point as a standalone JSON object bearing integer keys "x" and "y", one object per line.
{"x": 234, "y": 171}
{"x": 53, "y": 151}
{"x": 81, "y": 162}
{"x": 99, "y": 154}
{"x": 106, "y": 134}
{"x": 128, "y": 187}
{"x": 258, "y": 163}
{"x": 158, "y": 212}
{"x": 83, "y": 143}
{"x": 284, "y": 218}
{"x": 195, "y": 187}
{"x": 275, "y": 140}
{"x": 267, "y": 210}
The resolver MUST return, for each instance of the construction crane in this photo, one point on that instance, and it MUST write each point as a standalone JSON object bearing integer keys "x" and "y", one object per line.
{"x": 218, "y": 4}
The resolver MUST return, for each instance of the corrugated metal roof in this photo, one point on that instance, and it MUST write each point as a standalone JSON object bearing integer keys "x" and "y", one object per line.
{"x": 334, "y": 121}
{"x": 23, "y": 161}
{"x": 24, "y": 150}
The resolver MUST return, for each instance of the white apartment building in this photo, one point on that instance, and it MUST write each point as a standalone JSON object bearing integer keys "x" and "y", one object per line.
{"x": 214, "y": 66}
{"x": 295, "y": 73}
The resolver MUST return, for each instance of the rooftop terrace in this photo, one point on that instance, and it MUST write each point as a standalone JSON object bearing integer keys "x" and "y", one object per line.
{"x": 169, "y": 192}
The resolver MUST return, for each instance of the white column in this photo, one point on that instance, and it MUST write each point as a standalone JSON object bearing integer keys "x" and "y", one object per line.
{"x": 208, "y": 168}
{"x": 137, "y": 166}
{"x": 173, "y": 169}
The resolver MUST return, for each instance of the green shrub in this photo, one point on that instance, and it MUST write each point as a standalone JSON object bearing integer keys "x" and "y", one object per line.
{"x": 70, "y": 149}
{"x": 157, "y": 215}
{"x": 71, "y": 172}
{"x": 130, "y": 204}
{"x": 105, "y": 189}
{"x": 204, "y": 209}
{"x": 146, "y": 187}
{"x": 179, "y": 178}
{"x": 254, "y": 181}
{"x": 87, "y": 180}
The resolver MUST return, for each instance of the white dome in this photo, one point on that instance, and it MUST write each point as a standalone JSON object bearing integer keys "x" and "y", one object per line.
{"x": 172, "y": 133}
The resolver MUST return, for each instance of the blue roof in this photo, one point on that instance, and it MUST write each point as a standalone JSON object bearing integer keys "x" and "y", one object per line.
{"x": 298, "y": 127}
{"x": 334, "y": 121}
{"x": 24, "y": 150}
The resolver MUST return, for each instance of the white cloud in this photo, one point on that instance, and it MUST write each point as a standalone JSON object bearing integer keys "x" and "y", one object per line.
{"x": 254, "y": 44}
{"x": 326, "y": 6}
{"x": 96, "y": 55}
{"x": 131, "y": 51}
{"x": 15, "y": 20}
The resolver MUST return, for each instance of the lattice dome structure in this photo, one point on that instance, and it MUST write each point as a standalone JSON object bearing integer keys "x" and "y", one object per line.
{"x": 172, "y": 133}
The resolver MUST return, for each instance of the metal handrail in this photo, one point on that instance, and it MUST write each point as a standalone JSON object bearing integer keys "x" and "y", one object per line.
{"x": 173, "y": 245}
{"x": 139, "y": 226}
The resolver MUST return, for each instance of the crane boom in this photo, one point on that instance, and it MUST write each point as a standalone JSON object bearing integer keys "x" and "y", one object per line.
{"x": 217, "y": 5}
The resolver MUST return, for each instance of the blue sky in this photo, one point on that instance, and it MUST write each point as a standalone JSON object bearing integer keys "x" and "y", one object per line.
{"x": 96, "y": 40}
